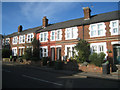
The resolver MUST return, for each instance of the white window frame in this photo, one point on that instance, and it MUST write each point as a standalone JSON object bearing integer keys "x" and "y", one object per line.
{"x": 60, "y": 34}
{"x": 15, "y": 40}
{"x": 7, "y": 41}
{"x": 3, "y": 41}
{"x": 51, "y": 39}
{"x": 23, "y": 51}
{"x": 73, "y": 31}
{"x": 96, "y": 27}
{"x": 13, "y": 51}
{"x": 22, "y": 37}
{"x": 43, "y": 48}
{"x": 98, "y": 47}
{"x": 117, "y": 26}
{"x": 31, "y": 37}
{"x": 66, "y": 46}
{"x": 43, "y": 33}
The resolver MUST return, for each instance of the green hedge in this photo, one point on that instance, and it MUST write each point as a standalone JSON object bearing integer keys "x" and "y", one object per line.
{"x": 59, "y": 65}
{"x": 6, "y": 53}
{"x": 44, "y": 60}
{"x": 97, "y": 59}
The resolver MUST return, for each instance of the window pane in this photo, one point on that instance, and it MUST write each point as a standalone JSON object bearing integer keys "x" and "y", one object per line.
{"x": 114, "y": 24}
{"x": 99, "y": 26}
{"x": 45, "y": 36}
{"x": 41, "y": 37}
{"x": 68, "y": 33}
{"x": 115, "y": 30}
{"x": 94, "y": 48}
{"x": 100, "y": 32}
{"x": 93, "y": 27}
{"x": 58, "y": 34}
{"x": 101, "y": 49}
{"x": 53, "y": 35}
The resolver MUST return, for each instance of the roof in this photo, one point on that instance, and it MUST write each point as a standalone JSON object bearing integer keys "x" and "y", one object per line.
{"x": 114, "y": 15}
{"x": 30, "y": 30}
{"x": 80, "y": 21}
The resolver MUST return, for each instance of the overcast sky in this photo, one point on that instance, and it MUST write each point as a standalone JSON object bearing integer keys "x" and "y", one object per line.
{"x": 30, "y": 14}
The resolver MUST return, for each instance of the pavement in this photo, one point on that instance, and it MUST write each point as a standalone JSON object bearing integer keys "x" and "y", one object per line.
{"x": 112, "y": 76}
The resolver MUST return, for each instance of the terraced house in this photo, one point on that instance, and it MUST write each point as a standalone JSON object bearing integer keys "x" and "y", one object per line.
{"x": 57, "y": 40}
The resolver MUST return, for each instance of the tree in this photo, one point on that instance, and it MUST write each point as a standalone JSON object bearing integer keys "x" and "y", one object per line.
{"x": 35, "y": 54}
{"x": 28, "y": 54}
{"x": 83, "y": 49}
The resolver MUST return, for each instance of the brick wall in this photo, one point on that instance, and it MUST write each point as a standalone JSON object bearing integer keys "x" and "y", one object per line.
{"x": 90, "y": 68}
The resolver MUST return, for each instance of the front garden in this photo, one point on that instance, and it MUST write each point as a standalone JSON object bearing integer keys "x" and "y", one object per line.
{"x": 83, "y": 61}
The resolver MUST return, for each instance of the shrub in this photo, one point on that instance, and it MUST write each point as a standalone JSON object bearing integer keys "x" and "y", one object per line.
{"x": 59, "y": 65}
{"x": 6, "y": 53}
{"x": 51, "y": 63}
{"x": 44, "y": 60}
{"x": 97, "y": 59}
{"x": 83, "y": 49}
{"x": 28, "y": 54}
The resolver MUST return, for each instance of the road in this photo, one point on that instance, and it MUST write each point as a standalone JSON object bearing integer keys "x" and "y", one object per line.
{"x": 24, "y": 77}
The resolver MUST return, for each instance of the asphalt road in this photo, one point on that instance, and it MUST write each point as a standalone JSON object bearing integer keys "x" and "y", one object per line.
{"x": 23, "y": 77}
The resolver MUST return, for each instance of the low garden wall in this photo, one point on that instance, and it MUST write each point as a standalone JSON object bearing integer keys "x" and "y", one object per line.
{"x": 90, "y": 68}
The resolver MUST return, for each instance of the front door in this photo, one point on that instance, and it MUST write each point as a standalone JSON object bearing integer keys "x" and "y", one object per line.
{"x": 58, "y": 53}
{"x": 53, "y": 54}
{"x": 116, "y": 51}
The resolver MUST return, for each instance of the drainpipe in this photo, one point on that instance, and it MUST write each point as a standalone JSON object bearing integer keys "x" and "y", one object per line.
{"x": 83, "y": 31}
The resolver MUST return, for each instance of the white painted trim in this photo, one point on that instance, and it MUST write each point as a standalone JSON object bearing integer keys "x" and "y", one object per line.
{"x": 115, "y": 42}
{"x": 56, "y": 46}
{"x": 14, "y": 47}
{"x": 43, "y": 46}
{"x": 118, "y": 27}
{"x": 21, "y": 47}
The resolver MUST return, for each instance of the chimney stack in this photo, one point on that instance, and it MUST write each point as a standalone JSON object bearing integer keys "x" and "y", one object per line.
{"x": 19, "y": 28}
{"x": 87, "y": 13}
{"x": 45, "y": 22}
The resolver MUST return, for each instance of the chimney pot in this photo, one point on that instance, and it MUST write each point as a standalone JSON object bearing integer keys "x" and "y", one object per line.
{"x": 87, "y": 13}
{"x": 19, "y": 28}
{"x": 45, "y": 22}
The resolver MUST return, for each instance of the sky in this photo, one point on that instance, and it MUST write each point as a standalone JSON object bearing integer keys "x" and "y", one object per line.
{"x": 30, "y": 14}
